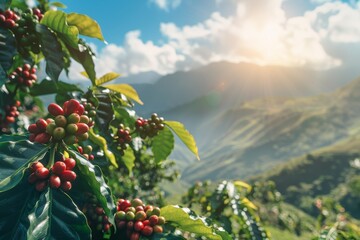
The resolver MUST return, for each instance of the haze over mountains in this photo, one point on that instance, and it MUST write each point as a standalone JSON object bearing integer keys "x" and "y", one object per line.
{"x": 248, "y": 118}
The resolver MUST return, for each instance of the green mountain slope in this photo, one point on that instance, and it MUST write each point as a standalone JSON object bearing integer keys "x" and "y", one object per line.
{"x": 257, "y": 135}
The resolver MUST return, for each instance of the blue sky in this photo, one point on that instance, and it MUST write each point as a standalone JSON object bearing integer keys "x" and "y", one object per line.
{"x": 170, "y": 35}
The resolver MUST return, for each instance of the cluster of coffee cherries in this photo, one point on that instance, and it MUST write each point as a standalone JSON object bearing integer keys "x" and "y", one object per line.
{"x": 69, "y": 124}
{"x": 24, "y": 76}
{"x": 123, "y": 138}
{"x": 149, "y": 127}
{"x": 96, "y": 217}
{"x": 135, "y": 219}
{"x": 11, "y": 113}
{"x": 86, "y": 152}
{"x": 25, "y": 32}
{"x": 90, "y": 111}
{"x": 8, "y": 19}
{"x": 59, "y": 176}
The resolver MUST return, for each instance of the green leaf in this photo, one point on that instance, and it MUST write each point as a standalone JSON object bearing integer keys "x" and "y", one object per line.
{"x": 52, "y": 50}
{"x": 7, "y": 48}
{"x": 129, "y": 159}
{"x": 83, "y": 55}
{"x": 187, "y": 220}
{"x": 4, "y": 4}
{"x": 106, "y": 78}
{"x": 184, "y": 135}
{"x": 101, "y": 142}
{"x": 91, "y": 176}
{"x": 55, "y": 216}
{"x": 162, "y": 145}
{"x": 20, "y": 4}
{"x": 127, "y": 90}
{"x": 104, "y": 110}
{"x": 86, "y": 25}
{"x": 15, "y": 156}
{"x": 56, "y": 20}
{"x": 16, "y": 204}
{"x": 50, "y": 87}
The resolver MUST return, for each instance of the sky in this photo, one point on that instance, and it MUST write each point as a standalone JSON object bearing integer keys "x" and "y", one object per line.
{"x": 166, "y": 36}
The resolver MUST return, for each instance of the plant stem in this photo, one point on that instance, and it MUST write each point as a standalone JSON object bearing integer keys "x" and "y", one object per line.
{"x": 52, "y": 155}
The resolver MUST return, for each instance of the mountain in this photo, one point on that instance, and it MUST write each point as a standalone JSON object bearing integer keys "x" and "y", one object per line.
{"x": 235, "y": 83}
{"x": 244, "y": 140}
{"x": 140, "y": 78}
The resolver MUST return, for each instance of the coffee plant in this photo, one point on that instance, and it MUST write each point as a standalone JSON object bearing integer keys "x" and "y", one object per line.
{"x": 59, "y": 161}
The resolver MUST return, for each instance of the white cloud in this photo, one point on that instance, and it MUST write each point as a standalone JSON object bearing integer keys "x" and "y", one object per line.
{"x": 261, "y": 35}
{"x": 166, "y": 4}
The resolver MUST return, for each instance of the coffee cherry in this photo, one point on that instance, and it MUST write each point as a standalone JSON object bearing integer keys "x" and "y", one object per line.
{"x": 121, "y": 225}
{"x": 55, "y": 181}
{"x": 153, "y": 220}
{"x": 66, "y": 186}
{"x": 70, "y": 140}
{"x": 83, "y": 137}
{"x": 84, "y": 119}
{"x": 72, "y": 106}
{"x": 59, "y": 133}
{"x": 70, "y": 163}
{"x": 36, "y": 165}
{"x": 125, "y": 204}
{"x": 40, "y": 186}
{"x": 41, "y": 125}
{"x": 32, "y": 178}
{"x": 68, "y": 175}
{"x": 156, "y": 211}
{"x": 60, "y": 121}
{"x": 147, "y": 231}
{"x": 82, "y": 128}
{"x": 42, "y": 173}
{"x": 33, "y": 128}
{"x": 73, "y": 118}
{"x": 119, "y": 216}
{"x": 157, "y": 229}
{"x": 130, "y": 216}
{"x": 138, "y": 226}
{"x": 42, "y": 138}
{"x": 161, "y": 220}
{"x": 106, "y": 227}
{"x": 59, "y": 168}
{"x": 135, "y": 236}
{"x": 71, "y": 128}
{"x": 136, "y": 202}
{"x": 55, "y": 109}
{"x": 140, "y": 208}
{"x": 141, "y": 216}
{"x": 99, "y": 211}
{"x": 50, "y": 128}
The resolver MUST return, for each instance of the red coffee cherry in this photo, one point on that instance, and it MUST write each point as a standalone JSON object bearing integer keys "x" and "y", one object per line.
{"x": 55, "y": 181}
{"x": 42, "y": 138}
{"x": 82, "y": 128}
{"x": 59, "y": 168}
{"x": 147, "y": 231}
{"x": 135, "y": 236}
{"x": 33, "y": 128}
{"x": 66, "y": 186}
{"x": 36, "y": 165}
{"x": 40, "y": 186}
{"x": 70, "y": 163}
{"x": 68, "y": 175}
{"x": 153, "y": 220}
{"x": 139, "y": 226}
{"x": 42, "y": 173}
{"x": 41, "y": 125}
{"x": 32, "y": 178}
{"x": 157, "y": 229}
{"x": 55, "y": 109}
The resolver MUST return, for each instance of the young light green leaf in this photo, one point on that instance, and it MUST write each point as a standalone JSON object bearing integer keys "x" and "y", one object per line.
{"x": 56, "y": 20}
{"x": 15, "y": 157}
{"x": 184, "y": 135}
{"x": 126, "y": 90}
{"x": 163, "y": 144}
{"x": 106, "y": 78}
{"x": 56, "y": 216}
{"x": 86, "y": 25}
{"x": 187, "y": 220}
{"x": 52, "y": 50}
{"x": 101, "y": 142}
{"x": 57, "y": 4}
{"x": 129, "y": 159}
